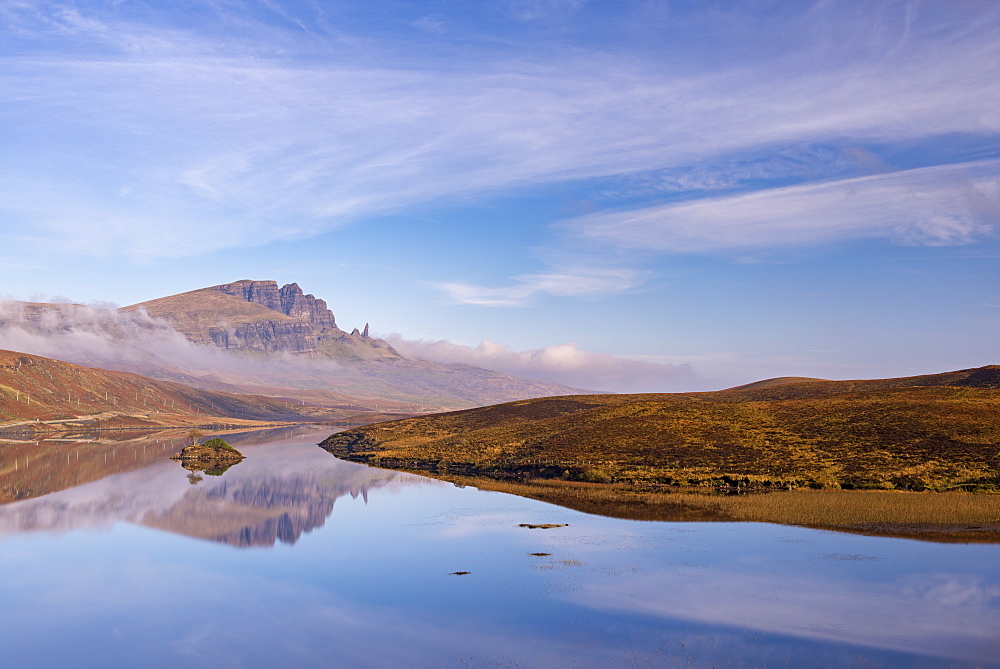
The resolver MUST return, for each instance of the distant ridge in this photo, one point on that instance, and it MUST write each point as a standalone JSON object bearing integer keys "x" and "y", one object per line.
{"x": 777, "y": 381}
{"x": 977, "y": 377}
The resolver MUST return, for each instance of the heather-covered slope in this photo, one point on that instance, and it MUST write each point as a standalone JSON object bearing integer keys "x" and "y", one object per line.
{"x": 938, "y": 431}
{"x": 36, "y": 391}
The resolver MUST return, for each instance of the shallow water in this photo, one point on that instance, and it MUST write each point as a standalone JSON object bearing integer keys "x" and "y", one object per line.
{"x": 296, "y": 558}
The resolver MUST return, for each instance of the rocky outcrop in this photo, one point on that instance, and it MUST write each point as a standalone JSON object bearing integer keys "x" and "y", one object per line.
{"x": 288, "y": 300}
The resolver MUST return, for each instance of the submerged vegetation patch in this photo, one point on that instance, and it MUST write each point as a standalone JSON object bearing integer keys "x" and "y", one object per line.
{"x": 543, "y": 526}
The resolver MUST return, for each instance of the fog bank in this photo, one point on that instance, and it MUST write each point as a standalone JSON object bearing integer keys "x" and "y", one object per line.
{"x": 561, "y": 363}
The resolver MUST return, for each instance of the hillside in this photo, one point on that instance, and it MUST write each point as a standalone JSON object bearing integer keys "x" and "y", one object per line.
{"x": 937, "y": 432}
{"x": 778, "y": 381}
{"x": 39, "y": 393}
{"x": 796, "y": 387}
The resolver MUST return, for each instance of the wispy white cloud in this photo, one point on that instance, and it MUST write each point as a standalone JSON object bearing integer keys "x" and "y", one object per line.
{"x": 932, "y": 613}
{"x": 936, "y": 206}
{"x": 562, "y": 363}
{"x": 567, "y": 283}
{"x": 798, "y": 163}
{"x": 219, "y": 144}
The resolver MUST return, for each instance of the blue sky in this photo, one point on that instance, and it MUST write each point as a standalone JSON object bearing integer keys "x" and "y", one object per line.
{"x": 631, "y": 195}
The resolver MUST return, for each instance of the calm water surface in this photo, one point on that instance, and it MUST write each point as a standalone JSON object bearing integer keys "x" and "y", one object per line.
{"x": 295, "y": 558}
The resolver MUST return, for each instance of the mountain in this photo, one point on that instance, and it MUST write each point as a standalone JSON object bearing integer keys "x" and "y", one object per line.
{"x": 256, "y": 337}
{"x": 261, "y": 317}
{"x": 936, "y": 431}
{"x": 277, "y": 323}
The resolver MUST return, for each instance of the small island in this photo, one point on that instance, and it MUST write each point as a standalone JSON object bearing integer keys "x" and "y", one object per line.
{"x": 213, "y": 456}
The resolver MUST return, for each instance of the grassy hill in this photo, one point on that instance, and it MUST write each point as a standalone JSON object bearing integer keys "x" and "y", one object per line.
{"x": 936, "y": 432}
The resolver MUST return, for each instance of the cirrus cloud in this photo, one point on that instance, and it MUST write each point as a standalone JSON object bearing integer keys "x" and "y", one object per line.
{"x": 936, "y": 206}
{"x": 124, "y": 129}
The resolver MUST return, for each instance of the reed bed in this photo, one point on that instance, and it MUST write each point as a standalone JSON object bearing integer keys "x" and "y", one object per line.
{"x": 862, "y": 507}
{"x": 939, "y": 516}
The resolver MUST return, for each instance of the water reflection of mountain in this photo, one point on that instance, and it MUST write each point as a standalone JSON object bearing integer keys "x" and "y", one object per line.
{"x": 285, "y": 488}
{"x": 253, "y": 508}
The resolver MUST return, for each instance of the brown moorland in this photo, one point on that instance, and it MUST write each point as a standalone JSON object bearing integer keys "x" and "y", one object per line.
{"x": 609, "y": 453}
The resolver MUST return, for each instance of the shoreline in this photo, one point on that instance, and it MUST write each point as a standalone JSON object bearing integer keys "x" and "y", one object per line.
{"x": 945, "y": 517}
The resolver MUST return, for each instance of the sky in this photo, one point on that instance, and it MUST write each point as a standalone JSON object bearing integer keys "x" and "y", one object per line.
{"x": 633, "y": 196}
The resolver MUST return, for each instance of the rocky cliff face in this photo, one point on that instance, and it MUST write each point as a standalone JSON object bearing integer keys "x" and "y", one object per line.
{"x": 267, "y": 336}
{"x": 288, "y": 300}
{"x": 310, "y": 329}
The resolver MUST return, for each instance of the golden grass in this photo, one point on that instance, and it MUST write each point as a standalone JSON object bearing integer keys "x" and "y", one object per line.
{"x": 950, "y": 516}
{"x": 863, "y": 507}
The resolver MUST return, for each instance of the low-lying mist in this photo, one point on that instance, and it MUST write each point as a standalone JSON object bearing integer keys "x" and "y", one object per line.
{"x": 566, "y": 364}
{"x": 102, "y": 336}
{"x": 105, "y": 337}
